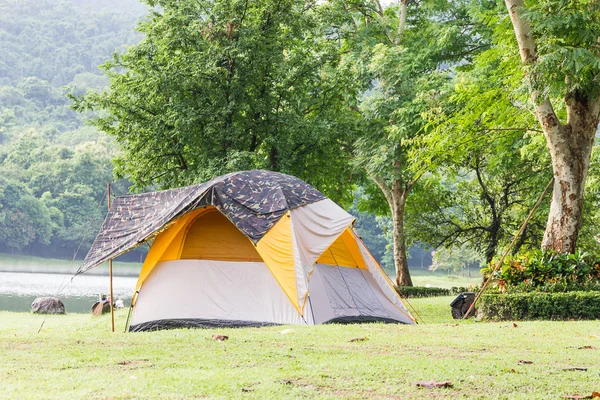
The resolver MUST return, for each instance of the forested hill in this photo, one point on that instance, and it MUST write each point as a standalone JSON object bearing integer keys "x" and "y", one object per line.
{"x": 54, "y": 168}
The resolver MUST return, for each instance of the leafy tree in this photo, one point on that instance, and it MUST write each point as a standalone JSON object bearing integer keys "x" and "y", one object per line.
{"x": 404, "y": 53}
{"x": 218, "y": 86}
{"x": 489, "y": 165}
{"x": 489, "y": 113}
{"x": 456, "y": 259}
{"x": 24, "y": 218}
{"x": 560, "y": 55}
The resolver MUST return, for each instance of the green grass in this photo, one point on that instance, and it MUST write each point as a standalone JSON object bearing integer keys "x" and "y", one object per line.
{"x": 441, "y": 279}
{"x": 75, "y": 356}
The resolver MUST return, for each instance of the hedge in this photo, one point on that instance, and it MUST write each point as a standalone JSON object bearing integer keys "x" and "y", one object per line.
{"x": 422, "y": 291}
{"x": 537, "y": 305}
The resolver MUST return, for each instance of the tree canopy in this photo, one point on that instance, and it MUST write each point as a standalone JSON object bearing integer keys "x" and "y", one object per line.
{"x": 219, "y": 86}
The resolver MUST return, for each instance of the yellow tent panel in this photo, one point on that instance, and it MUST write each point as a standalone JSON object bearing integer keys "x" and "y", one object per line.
{"x": 343, "y": 252}
{"x": 211, "y": 236}
{"x": 277, "y": 250}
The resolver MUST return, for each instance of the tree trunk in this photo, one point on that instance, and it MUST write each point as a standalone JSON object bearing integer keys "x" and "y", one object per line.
{"x": 399, "y": 250}
{"x": 402, "y": 23}
{"x": 396, "y": 198}
{"x": 570, "y": 147}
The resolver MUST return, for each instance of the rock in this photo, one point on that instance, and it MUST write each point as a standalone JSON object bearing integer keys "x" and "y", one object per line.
{"x": 47, "y": 305}
{"x": 101, "y": 307}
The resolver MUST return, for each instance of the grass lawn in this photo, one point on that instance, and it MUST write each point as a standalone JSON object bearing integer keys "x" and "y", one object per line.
{"x": 441, "y": 279}
{"x": 75, "y": 356}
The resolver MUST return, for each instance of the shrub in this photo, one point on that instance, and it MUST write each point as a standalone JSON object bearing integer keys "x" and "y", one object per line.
{"x": 536, "y": 305}
{"x": 547, "y": 271}
{"x": 422, "y": 291}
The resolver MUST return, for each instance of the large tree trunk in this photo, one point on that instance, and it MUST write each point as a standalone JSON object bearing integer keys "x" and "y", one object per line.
{"x": 399, "y": 250}
{"x": 570, "y": 145}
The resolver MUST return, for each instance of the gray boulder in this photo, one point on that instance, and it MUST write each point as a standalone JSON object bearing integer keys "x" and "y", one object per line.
{"x": 47, "y": 305}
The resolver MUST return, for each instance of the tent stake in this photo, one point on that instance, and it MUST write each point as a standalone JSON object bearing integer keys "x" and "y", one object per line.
{"x": 499, "y": 264}
{"x": 110, "y": 273}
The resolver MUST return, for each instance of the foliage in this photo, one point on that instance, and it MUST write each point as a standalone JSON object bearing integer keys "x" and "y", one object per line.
{"x": 53, "y": 169}
{"x": 566, "y": 34}
{"x": 47, "y": 42}
{"x": 219, "y": 86}
{"x": 424, "y": 291}
{"x": 577, "y": 305}
{"x": 547, "y": 271}
{"x": 53, "y": 198}
{"x": 487, "y": 155}
{"x": 403, "y": 67}
{"x": 456, "y": 259}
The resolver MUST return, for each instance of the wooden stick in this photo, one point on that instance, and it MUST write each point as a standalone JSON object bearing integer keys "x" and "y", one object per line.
{"x": 110, "y": 272}
{"x": 489, "y": 279}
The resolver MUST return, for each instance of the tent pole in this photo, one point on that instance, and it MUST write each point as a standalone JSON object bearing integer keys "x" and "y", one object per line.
{"x": 110, "y": 273}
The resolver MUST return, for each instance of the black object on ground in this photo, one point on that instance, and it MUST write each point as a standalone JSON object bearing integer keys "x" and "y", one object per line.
{"x": 460, "y": 305}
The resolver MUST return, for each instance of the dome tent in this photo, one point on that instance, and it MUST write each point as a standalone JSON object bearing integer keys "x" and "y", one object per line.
{"x": 249, "y": 248}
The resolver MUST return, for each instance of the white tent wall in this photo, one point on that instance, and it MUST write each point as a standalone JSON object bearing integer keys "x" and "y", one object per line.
{"x": 383, "y": 282}
{"x": 349, "y": 294}
{"x": 204, "y": 292}
{"x": 316, "y": 226}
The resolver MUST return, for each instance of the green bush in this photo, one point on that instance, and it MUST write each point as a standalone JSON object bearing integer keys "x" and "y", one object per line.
{"x": 536, "y": 305}
{"x": 547, "y": 271}
{"x": 423, "y": 291}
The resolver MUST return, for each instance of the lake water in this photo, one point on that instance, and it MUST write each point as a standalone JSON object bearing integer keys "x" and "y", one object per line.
{"x": 19, "y": 289}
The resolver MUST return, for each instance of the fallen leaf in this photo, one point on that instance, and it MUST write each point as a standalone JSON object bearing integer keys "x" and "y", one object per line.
{"x": 515, "y": 325}
{"x": 245, "y": 389}
{"x": 587, "y": 348}
{"x": 594, "y": 395}
{"x": 359, "y": 339}
{"x": 524, "y": 362}
{"x": 127, "y": 362}
{"x": 288, "y": 382}
{"x": 433, "y": 384}
{"x": 575, "y": 369}
{"x": 219, "y": 338}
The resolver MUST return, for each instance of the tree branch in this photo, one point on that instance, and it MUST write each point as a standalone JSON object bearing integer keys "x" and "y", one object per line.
{"x": 402, "y": 23}
{"x": 385, "y": 189}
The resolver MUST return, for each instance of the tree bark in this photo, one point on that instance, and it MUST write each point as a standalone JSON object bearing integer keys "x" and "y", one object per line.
{"x": 399, "y": 250}
{"x": 570, "y": 145}
{"x": 402, "y": 22}
{"x": 396, "y": 199}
